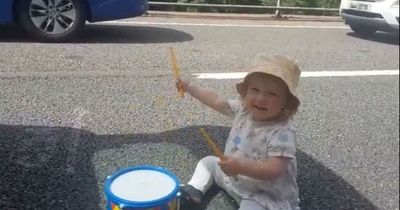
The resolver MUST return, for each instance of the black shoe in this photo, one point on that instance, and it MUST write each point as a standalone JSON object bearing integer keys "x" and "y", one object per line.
{"x": 191, "y": 198}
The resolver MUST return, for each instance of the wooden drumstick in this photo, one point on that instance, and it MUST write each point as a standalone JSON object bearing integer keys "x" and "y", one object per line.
{"x": 176, "y": 70}
{"x": 214, "y": 147}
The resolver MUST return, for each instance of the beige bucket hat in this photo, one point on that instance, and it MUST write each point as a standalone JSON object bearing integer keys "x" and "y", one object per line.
{"x": 280, "y": 67}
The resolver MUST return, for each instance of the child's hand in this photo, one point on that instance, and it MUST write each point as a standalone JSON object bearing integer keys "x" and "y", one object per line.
{"x": 182, "y": 84}
{"x": 231, "y": 166}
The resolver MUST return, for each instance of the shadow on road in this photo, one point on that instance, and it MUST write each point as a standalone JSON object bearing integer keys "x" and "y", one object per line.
{"x": 108, "y": 34}
{"x": 382, "y": 37}
{"x": 39, "y": 172}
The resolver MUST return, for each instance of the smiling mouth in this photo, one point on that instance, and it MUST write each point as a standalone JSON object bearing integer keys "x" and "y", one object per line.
{"x": 260, "y": 108}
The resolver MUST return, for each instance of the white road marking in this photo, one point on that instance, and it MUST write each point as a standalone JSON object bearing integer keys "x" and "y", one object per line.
{"x": 226, "y": 75}
{"x": 239, "y": 75}
{"x": 116, "y": 22}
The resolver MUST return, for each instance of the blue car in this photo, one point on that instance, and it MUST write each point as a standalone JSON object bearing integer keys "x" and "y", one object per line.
{"x": 61, "y": 20}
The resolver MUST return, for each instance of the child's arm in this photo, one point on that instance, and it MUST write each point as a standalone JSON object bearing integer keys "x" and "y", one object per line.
{"x": 207, "y": 97}
{"x": 281, "y": 149}
{"x": 268, "y": 169}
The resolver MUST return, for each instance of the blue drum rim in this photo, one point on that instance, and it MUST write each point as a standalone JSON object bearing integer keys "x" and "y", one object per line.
{"x": 119, "y": 201}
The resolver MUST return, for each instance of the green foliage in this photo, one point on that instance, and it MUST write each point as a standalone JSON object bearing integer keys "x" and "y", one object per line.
{"x": 297, "y": 3}
{"x": 312, "y": 3}
{"x": 268, "y": 2}
{"x": 294, "y": 3}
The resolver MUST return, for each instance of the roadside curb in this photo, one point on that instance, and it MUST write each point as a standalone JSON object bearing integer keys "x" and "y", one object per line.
{"x": 232, "y": 16}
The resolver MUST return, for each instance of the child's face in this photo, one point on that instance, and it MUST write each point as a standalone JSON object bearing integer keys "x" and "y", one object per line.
{"x": 266, "y": 97}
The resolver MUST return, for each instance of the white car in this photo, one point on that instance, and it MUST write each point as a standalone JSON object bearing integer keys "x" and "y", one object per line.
{"x": 368, "y": 16}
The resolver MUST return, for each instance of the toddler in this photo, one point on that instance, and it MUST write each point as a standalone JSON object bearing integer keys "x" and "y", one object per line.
{"x": 260, "y": 170}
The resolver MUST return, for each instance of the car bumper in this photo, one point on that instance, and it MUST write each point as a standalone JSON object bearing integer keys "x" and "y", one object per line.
{"x": 381, "y": 15}
{"x": 6, "y": 15}
{"x": 103, "y": 10}
{"x": 372, "y": 20}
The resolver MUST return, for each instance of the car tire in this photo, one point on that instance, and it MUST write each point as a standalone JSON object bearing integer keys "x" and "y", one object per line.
{"x": 362, "y": 29}
{"x": 48, "y": 22}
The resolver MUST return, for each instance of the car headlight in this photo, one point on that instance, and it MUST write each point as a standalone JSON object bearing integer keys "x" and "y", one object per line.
{"x": 395, "y": 4}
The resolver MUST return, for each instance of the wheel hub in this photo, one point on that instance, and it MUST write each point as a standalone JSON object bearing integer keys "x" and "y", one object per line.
{"x": 53, "y": 16}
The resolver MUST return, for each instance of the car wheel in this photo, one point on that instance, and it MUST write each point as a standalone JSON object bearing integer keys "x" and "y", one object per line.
{"x": 362, "y": 29}
{"x": 52, "y": 20}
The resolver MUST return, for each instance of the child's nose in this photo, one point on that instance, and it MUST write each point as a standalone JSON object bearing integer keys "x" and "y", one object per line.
{"x": 261, "y": 100}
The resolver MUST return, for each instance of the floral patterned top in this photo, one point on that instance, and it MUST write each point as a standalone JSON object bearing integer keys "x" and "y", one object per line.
{"x": 256, "y": 140}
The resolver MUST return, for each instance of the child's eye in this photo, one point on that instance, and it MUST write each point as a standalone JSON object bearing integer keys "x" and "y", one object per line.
{"x": 272, "y": 94}
{"x": 254, "y": 89}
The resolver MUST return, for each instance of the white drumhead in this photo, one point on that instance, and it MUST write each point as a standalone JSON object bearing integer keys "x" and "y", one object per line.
{"x": 142, "y": 185}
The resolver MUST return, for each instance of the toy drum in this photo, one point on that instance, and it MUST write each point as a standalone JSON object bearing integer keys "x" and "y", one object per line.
{"x": 142, "y": 188}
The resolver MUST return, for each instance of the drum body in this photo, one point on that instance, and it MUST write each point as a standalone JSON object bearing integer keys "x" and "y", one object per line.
{"x": 142, "y": 188}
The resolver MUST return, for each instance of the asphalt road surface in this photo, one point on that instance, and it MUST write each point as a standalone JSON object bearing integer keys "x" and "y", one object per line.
{"x": 72, "y": 114}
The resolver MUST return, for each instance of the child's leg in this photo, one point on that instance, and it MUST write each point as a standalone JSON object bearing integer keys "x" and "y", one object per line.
{"x": 202, "y": 179}
{"x": 204, "y": 174}
{"x": 250, "y": 205}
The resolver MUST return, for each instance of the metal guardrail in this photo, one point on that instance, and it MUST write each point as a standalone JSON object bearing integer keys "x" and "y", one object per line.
{"x": 227, "y": 6}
